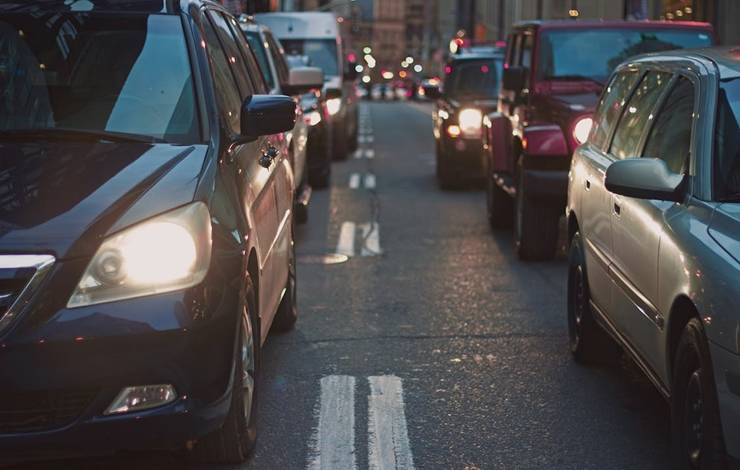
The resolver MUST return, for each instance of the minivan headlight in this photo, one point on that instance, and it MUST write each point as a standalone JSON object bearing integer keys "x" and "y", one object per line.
{"x": 169, "y": 252}
{"x": 471, "y": 121}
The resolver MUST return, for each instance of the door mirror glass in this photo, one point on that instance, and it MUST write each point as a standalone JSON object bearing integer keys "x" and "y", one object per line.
{"x": 267, "y": 115}
{"x": 644, "y": 178}
{"x": 304, "y": 79}
{"x": 514, "y": 78}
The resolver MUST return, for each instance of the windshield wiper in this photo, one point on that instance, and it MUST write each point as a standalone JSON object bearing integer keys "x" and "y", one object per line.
{"x": 63, "y": 133}
{"x": 576, "y": 77}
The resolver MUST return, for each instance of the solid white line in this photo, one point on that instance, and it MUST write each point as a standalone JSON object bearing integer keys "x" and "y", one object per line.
{"x": 346, "y": 243}
{"x": 371, "y": 237}
{"x": 370, "y": 181}
{"x": 388, "y": 440}
{"x": 354, "y": 181}
{"x": 369, "y": 153}
{"x": 333, "y": 443}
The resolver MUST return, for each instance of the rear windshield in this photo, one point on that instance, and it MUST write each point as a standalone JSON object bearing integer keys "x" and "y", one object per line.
{"x": 593, "y": 54}
{"x": 474, "y": 79}
{"x": 127, "y": 74}
{"x": 321, "y": 52}
{"x": 727, "y": 165}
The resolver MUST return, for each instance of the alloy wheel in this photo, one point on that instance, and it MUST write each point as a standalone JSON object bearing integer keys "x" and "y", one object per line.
{"x": 577, "y": 306}
{"x": 248, "y": 365}
{"x": 694, "y": 419}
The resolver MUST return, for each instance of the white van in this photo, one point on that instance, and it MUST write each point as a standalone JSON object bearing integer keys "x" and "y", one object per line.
{"x": 316, "y": 35}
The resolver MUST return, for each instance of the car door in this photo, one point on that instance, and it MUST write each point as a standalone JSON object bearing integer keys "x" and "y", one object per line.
{"x": 255, "y": 184}
{"x": 596, "y": 201}
{"x": 639, "y": 224}
{"x": 636, "y": 227}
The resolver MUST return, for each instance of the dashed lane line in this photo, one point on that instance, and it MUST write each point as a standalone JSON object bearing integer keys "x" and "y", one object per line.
{"x": 346, "y": 243}
{"x": 333, "y": 443}
{"x": 388, "y": 440}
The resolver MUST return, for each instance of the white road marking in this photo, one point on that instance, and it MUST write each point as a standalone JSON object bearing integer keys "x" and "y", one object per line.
{"x": 354, "y": 180}
{"x": 366, "y": 139}
{"x": 370, "y": 181}
{"x": 333, "y": 443}
{"x": 369, "y": 153}
{"x": 346, "y": 243}
{"x": 371, "y": 237}
{"x": 358, "y": 153}
{"x": 388, "y": 440}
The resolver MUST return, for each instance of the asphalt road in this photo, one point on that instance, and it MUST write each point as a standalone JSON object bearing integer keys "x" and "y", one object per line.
{"x": 431, "y": 346}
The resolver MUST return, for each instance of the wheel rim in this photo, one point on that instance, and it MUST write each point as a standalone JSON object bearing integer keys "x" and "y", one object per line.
{"x": 248, "y": 366}
{"x": 694, "y": 419}
{"x": 576, "y": 306}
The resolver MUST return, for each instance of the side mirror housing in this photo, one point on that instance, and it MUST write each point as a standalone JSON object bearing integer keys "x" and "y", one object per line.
{"x": 432, "y": 92}
{"x": 644, "y": 178}
{"x": 514, "y": 79}
{"x": 303, "y": 79}
{"x": 350, "y": 73}
{"x": 266, "y": 115}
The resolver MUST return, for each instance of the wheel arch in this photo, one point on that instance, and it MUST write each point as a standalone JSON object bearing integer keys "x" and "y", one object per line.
{"x": 573, "y": 226}
{"x": 682, "y": 311}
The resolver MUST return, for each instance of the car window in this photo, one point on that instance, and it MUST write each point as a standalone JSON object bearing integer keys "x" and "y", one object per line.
{"x": 637, "y": 113}
{"x": 236, "y": 60}
{"x": 516, "y": 51}
{"x": 670, "y": 137}
{"x": 258, "y": 46}
{"x": 227, "y": 93}
{"x": 255, "y": 74}
{"x": 610, "y": 106}
{"x": 527, "y": 46}
{"x": 727, "y": 163}
{"x": 276, "y": 50}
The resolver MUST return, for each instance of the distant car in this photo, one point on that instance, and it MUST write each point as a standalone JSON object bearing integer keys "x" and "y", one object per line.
{"x": 554, "y": 74}
{"x": 469, "y": 92}
{"x": 316, "y": 34}
{"x": 654, "y": 226}
{"x": 142, "y": 262}
{"x": 389, "y": 92}
{"x": 377, "y": 92}
{"x": 295, "y": 81}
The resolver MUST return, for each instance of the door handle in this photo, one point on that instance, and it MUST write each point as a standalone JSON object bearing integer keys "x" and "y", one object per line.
{"x": 588, "y": 185}
{"x": 617, "y": 209}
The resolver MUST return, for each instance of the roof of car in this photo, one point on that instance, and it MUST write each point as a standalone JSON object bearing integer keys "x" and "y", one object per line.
{"x": 727, "y": 58}
{"x": 132, "y": 6}
{"x": 594, "y": 24}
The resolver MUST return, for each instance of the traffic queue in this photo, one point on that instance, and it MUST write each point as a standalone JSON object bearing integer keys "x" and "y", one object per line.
{"x": 149, "y": 213}
{"x": 637, "y": 148}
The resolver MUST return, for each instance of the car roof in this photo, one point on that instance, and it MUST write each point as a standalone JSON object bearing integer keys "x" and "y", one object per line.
{"x": 118, "y": 6}
{"x": 726, "y": 59}
{"x": 597, "y": 24}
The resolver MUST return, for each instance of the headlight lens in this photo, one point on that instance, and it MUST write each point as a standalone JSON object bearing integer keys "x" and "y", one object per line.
{"x": 334, "y": 105}
{"x": 166, "y": 253}
{"x": 582, "y": 129}
{"x": 470, "y": 122}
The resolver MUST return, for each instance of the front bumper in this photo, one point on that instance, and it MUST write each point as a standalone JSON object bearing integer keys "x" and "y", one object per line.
{"x": 727, "y": 380}
{"x": 464, "y": 157}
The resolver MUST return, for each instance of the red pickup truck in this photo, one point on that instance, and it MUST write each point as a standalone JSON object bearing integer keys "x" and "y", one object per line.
{"x": 554, "y": 73}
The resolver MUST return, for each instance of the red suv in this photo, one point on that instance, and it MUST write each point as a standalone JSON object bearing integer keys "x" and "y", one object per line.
{"x": 553, "y": 77}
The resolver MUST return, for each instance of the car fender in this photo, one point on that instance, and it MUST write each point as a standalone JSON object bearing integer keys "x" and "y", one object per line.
{"x": 499, "y": 143}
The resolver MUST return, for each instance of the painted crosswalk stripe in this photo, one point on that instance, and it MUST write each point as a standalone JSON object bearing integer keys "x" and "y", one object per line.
{"x": 388, "y": 440}
{"x": 371, "y": 236}
{"x": 370, "y": 181}
{"x": 346, "y": 243}
{"x": 354, "y": 180}
{"x": 333, "y": 443}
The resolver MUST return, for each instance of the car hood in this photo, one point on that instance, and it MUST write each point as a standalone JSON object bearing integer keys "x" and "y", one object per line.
{"x": 62, "y": 198}
{"x": 485, "y": 105}
{"x": 725, "y": 227}
{"x": 574, "y": 102}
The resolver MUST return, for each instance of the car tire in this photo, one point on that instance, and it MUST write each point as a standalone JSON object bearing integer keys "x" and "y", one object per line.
{"x": 445, "y": 178}
{"x": 341, "y": 151}
{"x": 287, "y": 314}
{"x": 499, "y": 205}
{"x": 536, "y": 225}
{"x": 696, "y": 428}
{"x": 588, "y": 342}
{"x": 234, "y": 441}
{"x": 301, "y": 210}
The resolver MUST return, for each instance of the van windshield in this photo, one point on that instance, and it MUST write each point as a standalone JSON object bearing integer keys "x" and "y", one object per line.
{"x": 97, "y": 73}
{"x": 321, "y": 52}
{"x": 593, "y": 54}
{"x": 474, "y": 79}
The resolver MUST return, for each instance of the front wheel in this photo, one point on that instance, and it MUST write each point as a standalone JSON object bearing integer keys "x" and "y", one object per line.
{"x": 287, "y": 314}
{"x": 696, "y": 428}
{"x": 500, "y": 207}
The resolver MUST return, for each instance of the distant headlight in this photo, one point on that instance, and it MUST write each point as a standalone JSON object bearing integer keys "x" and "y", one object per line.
{"x": 166, "y": 253}
{"x": 312, "y": 118}
{"x": 471, "y": 121}
{"x": 334, "y": 105}
{"x": 582, "y": 129}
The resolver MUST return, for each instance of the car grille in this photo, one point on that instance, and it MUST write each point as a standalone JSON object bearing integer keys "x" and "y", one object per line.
{"x": 41, "y": 410}
{"x": 20, "y": 276}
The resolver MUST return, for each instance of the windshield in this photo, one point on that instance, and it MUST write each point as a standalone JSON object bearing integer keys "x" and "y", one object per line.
{"x": 258, "y": 46}
{"x": 321, "y": 52}
{"x": 127, "y": 74}
{"x": 574, "y": 54}
{"x": 474, "y": 79}
{"x": 727, "y": 167}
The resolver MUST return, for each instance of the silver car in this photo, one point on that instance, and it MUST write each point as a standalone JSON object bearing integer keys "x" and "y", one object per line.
{"x": 654, "y": 226}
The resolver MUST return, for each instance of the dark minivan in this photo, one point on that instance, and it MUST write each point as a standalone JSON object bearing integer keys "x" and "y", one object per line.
{"x": 146, "y": 241}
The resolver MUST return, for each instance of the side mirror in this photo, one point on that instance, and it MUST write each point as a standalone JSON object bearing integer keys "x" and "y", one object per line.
{"x": 644, "y": 178}
{"x": 432, "y": 92}
{"x": 514, "y": 79}
{"x": 266, "y": 115}
{"x": 303, "y": 79}
{"x": 350, "y": 73}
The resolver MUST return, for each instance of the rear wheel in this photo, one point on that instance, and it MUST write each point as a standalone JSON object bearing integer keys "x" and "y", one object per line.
{"x": 500, "y": 207}
{"x": 232, "y": 443}
{"x": 445, "y": 176}
{"x": 698, "y": 443}
{"x": 287, "y": 314}
{"x": 536, "y": 225}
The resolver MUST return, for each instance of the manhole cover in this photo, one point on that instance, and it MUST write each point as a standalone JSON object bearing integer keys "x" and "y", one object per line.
{"x": 331, "y": 258}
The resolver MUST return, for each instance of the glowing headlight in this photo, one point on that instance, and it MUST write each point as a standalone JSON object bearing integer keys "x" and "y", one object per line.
{"x": 470, "y": 122}
{"x": 312, "y": 118}
{"x": 582, "y": 129}
{"x": 166, "y": 253}
{"x": 334, "y": 105}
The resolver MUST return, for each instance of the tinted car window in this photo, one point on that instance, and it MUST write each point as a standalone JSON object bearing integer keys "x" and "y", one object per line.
{"x": 322, "y": 52}
{"x": 235, "y": 58}
{"x": 637, "y": 114}
{"x": 227, "y": 93}
{"x": 727, "y": 165}
{"x": 670, "y": 137}
{"x": 610, "y": 106}
{"x": 107, "y": 76}
{"x": 570, "y": 54}
{"x": 258, "y": 46}
{"x": 251, "y": 62}
{"x": 473, "y": 79}
{"x": 276, "y": 50}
